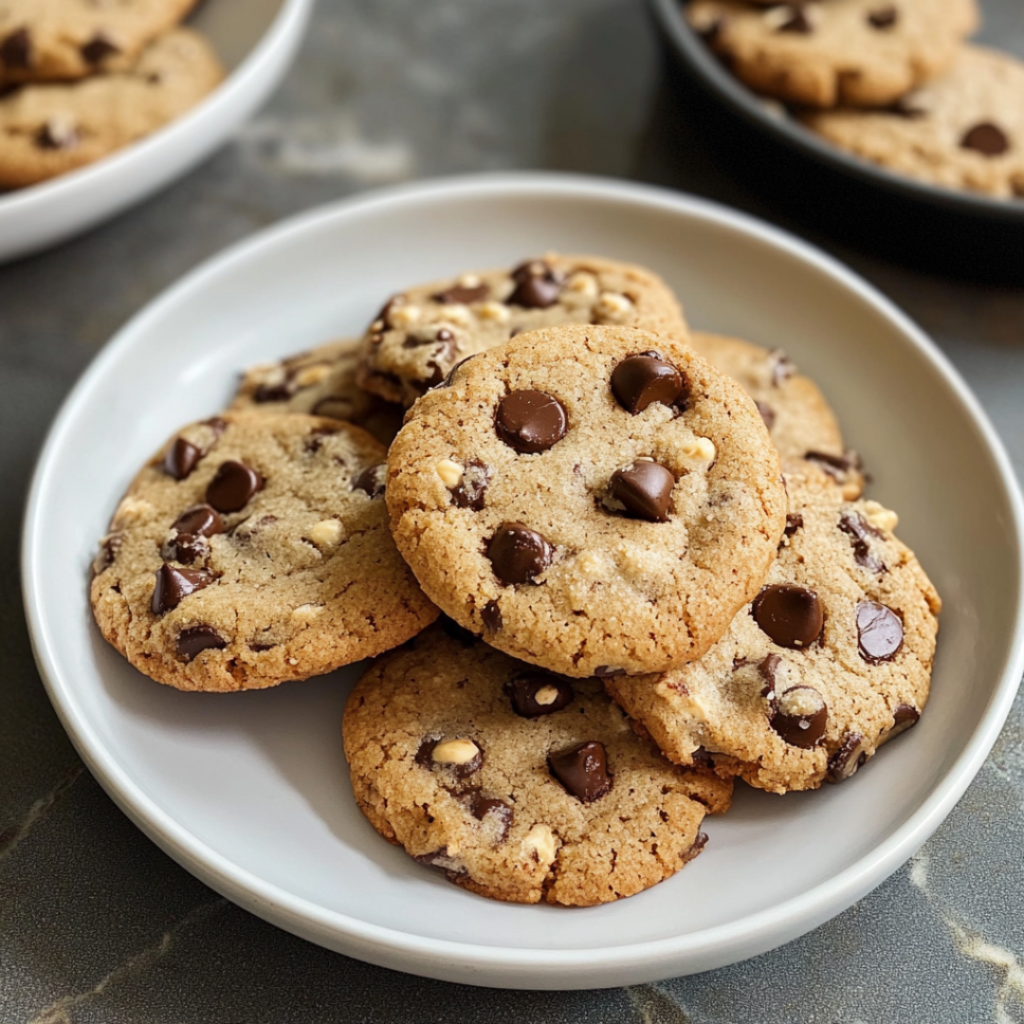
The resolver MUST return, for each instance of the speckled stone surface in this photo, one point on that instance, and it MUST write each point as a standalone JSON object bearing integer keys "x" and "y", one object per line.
{"x": 97, "y": 926}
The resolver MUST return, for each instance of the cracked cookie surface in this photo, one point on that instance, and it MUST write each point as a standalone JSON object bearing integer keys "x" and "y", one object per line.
{"x": 594, "y": 500}
{"x": 505, "y": 801}
{"x": 831, "y": 660}
{"x": 50, "y": 129}
{"x": 253, "y": 550}
{"x": 865, "y": 53}
{"x": 421, "y": 333}
{"x": 321, "y": 382}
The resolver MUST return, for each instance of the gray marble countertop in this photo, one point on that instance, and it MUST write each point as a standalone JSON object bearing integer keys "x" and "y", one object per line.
{"x": 96, "y": 924}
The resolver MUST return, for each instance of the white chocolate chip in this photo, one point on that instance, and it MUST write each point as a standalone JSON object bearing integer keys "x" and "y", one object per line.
{"x": 701, "y": 449}
{"x": 496, "y": 311}
{"x": 879, "y": 516}
{"x": 327, "y": 533}
{"x": 403, "y": 316}
{"x": 469, "y": 281}
{"x": 540, "y": 843}
{"x": 450, "y": 473}
{"x": 583, "y": 284}
{"x": 456, "y": 314}
{"x": 307, "y": 612}
{"x": 546, "y": 695}
{"x": 613, "y": 306}
{"x": 455, "y": 752}
{"x": 312, "y": 375}
{"x": 270, "y": 376}
{"x": 776, "y": 17}
{"x": 293, "y": 661}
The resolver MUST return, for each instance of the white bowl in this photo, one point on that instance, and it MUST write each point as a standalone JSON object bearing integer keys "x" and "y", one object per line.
{"x": 250, "y": 791}
{"x": 256, "y": 40}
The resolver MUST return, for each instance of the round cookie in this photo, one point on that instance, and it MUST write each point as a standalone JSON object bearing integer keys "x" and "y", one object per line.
{"x": 46, "y": 40}
{"x": 963, "y": 130}
{"x": 594, "y": 500}
{"x": 50, "y": 129}
{"x": 321, "y": 382}
{"x": 802, "y": 425}
{"x": 520, "y": 785}
{"x": 421, "y": 333}
{"x": 861, "y": 52}
{"x": 832, "y": 659}
{"x": 252, "y": 550}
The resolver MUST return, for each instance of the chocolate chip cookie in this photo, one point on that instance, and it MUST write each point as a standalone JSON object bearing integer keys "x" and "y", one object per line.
{"x": 594, "y": 500}
{"x": 421, "y": 333}
{"x": 520, "y": 785}
{"x": 252, "y": 550}
{"x": 47, "y": 40}
{"x": 832, "y": 659}
{"x": 861, "y": 52}
{"x": 321, "y": 382}
{"x": 50, "y": 129}
{"x": 963, "y": 130}
{"x": 802, "y": 425}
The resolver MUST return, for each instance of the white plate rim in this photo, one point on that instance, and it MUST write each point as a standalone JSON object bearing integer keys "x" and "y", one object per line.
{"x": 445, "y": 958}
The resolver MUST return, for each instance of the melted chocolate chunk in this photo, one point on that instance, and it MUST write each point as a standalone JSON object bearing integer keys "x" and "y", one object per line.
{"x": 173, "y": 585}
{"x": 109, "y": 547}
{"x": 518, "y": 554}
{"x": 767, "y": 414}
{"x": 837, "y": 466}
{"x": 470, "y": 491}
{"x": 986, "y": 138}
{"x": 640, "y": 380}
{"x": 16, "y": 50}
{"x": 845, "y": 762}
{"x": 796, "y": 22}
{"x": 582, "y": 770}
{"x": 903, "y": 718}
{"x": 199, "y": 519}
{"x": 793, "y": 523}
{"x": 645, "y": 488}
{"x": 800, "y": 716}
{"x": 181, "y": 458}
{"x": 879, "y": 632}
{"x": 372, "y": 480}
{"x": 768, "y": 669}
{"x": 426, "y": 758}
{"x": 499, "y": 811}
{"x": 460, "y": 294}
{"x": 698, "y": 844}
{"x": 883, "y": 17}
{"x": 537, "y": 286}
{"x": 538, "y": 693}
{"x": 98, "y": 49}
{"x": 233, "y": 486}
{"x": 195, "y": 639}
{"x": 530, "y": 421}
{"x": 491, "y": 617}
{"x": 859, "y": 530}
{"x": 792, "y": 616}
{"x": 57, "y": 134}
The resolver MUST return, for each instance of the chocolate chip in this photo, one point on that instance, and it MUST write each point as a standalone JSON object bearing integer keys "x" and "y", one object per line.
{"x": 530, "y": 421}
{"x": 457, "y": 632}
{"x": 462, "y": 294}
{"x": 645, "y": 488}
{"x": 850, "y": 756}
{"x": 767, "y": 414}
{"x": 470, "y": 491}
{"x": 233, "y": 486}
{"x": 109, "y": 547}
{"x": 782, "y": 368}
{"x": 482, "y": 807}
{"x": 491, "y": 617}
{"x": 442, "y": 859}
{"x": 538, "y": 693}
{"x": 695, "y": 847}
{"x": 607, "y": 672}
{"x": 883, "y": 17}
{"x": 879, "y": 632}
{"x": 57, "y": 133}
{"x": 836, "y": 466}
{"x": 793, "y": 523}
{"x": 768, "y": 669}
{"x": 792, "y": 616}
{"x": 199, "y": 638}
{"x": 279, "y": 392}
{"x": 796, "y": 22}
{"x": 428, "y": 756}
{"x": 518, "y": 554}
{"x": 582, "y": 770}
{"x": 986, "y": 138}
{"x": 800, "y": 716}
{"x": 860, "y": 530}
{"x": 903, "y": 718}
{"x": 16, "y": 50}
{"x": 640, "y": 380}
{"x": 199, "y": 519}
{"x": 372, "y": 480}
{"x": 173, "y": 585}
{"x": 537, "y": 286}
{"x": 181, "y": 458}
{"x": 98, "y": 49}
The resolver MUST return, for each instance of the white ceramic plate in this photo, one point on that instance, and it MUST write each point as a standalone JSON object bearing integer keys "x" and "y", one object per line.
{"x": 250, "y": 791}
{"x": 256, "y": 40}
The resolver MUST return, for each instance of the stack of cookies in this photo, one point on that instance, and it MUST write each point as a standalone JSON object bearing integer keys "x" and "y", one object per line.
{"x": 891, "y": 81}
{"x": 616, "y": 565}
{"x": 80, "y": 79}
